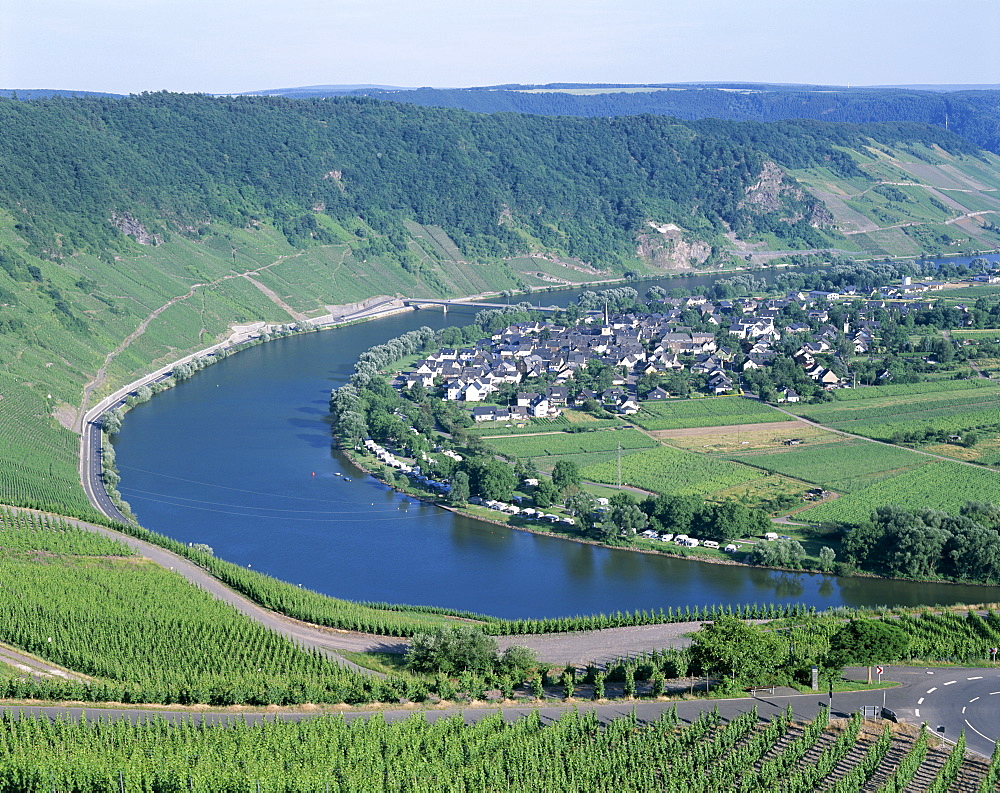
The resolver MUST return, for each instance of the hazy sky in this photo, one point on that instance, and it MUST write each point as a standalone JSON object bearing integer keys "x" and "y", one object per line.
{"x": 224, "y": 46}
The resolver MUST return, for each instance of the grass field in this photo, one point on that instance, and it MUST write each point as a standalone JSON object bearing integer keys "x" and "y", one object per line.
{"x": 718, "y": 411}
{"x": 674, "y": 471}
{"x": 940, "y": 485}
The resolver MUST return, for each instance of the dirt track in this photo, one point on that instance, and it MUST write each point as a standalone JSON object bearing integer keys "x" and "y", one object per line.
{"x": 689, "y": 432}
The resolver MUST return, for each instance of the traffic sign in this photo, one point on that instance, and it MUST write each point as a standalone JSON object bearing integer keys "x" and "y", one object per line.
{"x": 878, "y": 670}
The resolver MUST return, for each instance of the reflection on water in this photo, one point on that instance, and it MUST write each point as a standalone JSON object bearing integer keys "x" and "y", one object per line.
{"x": 239, "y": 458}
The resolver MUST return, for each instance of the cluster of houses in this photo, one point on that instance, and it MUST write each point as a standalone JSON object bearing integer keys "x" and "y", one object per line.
{"x": 632, "y": 345}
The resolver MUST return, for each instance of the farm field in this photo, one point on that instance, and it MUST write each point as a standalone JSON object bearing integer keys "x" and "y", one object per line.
{"x": 572, "y": 443}
{"x": 674, "y": 471}
{"x": 844, "y": 466}
{"x": 940, "y": 485}
{"x": 713, "y": 411}
{"x": 746, "y": 438}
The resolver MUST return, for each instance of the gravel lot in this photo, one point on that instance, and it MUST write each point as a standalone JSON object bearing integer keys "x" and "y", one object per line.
{"x": 606, "y": 645}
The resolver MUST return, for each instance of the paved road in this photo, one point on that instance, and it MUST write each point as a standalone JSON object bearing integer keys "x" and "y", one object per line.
{"x": 805, "y": 706}
{"x": 955, "y": 699}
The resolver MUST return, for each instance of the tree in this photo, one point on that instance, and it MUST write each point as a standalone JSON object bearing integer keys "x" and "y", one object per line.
{"x": 491, "y": 478}
{"x": 518, "y": 662}
{"x": 779, "y": 553}
{"x": 581, "y": 505}
{"x": 827, "y": 558}
{"x": 626, "y": 515}
{"x": 461, "y": 648}
{"x": 544, "y": 493}
{"x": 731, "y": 647}
{"x": 565, "y": 474}
{"x": 459, "y": 488}
{"x": 866, "y": 642}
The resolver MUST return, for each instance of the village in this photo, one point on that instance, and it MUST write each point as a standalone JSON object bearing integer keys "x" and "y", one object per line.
{"x": 639, "y": 349}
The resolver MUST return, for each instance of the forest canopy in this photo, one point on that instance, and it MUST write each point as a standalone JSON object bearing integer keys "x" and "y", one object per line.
{"x": 93, "y": 174}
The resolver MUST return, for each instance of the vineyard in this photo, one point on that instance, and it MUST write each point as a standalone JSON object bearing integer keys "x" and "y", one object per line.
{"x": 572, "y": 443}
{"x": 949, "y": 636}
{"x": 909, "y": 389}
{"x": 844, "y": 466}
{"x": 575, "y": 752}
{"x": 22, "y": 532}
{"x": 710, "y": 412}
{"x": 940, "y": 485}
{"x": 154, "y": 638}
{"x": 674, "y": 471}
{"x": 898, "y": 412}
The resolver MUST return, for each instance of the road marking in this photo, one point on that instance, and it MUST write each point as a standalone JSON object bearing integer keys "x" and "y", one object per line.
{"x": 916, "y": 712}
{"x": 974, "y": 678}
{"x": 920, "y": 701}
{"x": 994, "y": 692}
{"x": 932, "y": 690}
{"x": 930, "y": 673}
{"x": 987, "y": 737}
{"x": 963, "y": 708}
{"x": 951, "y": 682}
{"x": 973, "y": 700}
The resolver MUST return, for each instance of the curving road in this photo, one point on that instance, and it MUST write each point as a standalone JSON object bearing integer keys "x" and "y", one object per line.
{"x": 951, "y": 700}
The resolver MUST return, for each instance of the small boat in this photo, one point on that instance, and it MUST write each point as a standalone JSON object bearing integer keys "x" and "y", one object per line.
{"x": 346, "y": 479}
{"x": 337, "y": 474}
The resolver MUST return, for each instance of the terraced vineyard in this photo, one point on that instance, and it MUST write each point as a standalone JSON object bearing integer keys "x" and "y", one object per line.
{"x": 574, "y": 753}
{"x": 711, "y": 412}
{"x": 674, "y": 471}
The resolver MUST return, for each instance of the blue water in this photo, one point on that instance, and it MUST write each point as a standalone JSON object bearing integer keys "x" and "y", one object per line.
{"x": 240, "y": 457}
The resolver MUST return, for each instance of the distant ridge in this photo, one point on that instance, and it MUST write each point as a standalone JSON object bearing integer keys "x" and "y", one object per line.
{"x": 320, "y": 89}
{"x": 46, "y": 93}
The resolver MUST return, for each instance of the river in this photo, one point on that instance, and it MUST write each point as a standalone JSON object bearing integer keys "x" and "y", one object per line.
{"x": 239, "y": 457}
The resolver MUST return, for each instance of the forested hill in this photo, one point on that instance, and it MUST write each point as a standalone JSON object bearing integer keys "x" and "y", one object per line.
{"x": 75, "y": 172}
{"x": 973, "y": 114}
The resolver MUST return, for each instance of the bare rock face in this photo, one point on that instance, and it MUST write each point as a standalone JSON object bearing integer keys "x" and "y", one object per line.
{"x": 127, "y": 224}
{"x": 772, "y": 186}
{"x": 664, "y": 247}
{"x": 765, "y": 194}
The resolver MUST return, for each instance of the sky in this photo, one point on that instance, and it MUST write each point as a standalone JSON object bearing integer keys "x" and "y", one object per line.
{"x": 230, "y": 46}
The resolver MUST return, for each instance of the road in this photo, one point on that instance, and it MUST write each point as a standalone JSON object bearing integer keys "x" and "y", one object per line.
{"x": 957, "y": 690}
{"x": 955, "y": 699}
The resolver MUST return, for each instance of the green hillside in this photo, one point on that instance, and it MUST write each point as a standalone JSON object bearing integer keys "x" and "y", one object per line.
{"x": 134, "y": 230}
